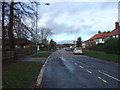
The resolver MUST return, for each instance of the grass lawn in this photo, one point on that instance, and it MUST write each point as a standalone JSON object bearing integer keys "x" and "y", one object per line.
{"x": 47, "y": 51}
{"x": 44, "y": 54}
{"x": 109, "y": 57}
{"x": 40, "y": 50}
{"x": 19, "y": 74}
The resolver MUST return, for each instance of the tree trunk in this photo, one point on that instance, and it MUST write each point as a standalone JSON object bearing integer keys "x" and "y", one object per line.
{"x": 3, "y": 30}
{"x": 10, "y": 27}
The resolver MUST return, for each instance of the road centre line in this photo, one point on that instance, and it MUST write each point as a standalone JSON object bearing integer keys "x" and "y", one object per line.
{"x": 75, "y": 63}
{"x": 83, "y": 64}
{"x": 89, "y": 71}
{"x": 109, "y": 76}
{"x": 102, "y": 80}
{"x": 80, "y": 66}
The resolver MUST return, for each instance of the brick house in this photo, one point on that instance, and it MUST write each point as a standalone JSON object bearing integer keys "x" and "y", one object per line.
{"x": 20, "y": 43}
{"x": 102, "y": 36}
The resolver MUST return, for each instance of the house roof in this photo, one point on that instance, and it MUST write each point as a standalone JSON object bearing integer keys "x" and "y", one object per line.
{"x": 104, "y": 34}
{"x": 20, "y": 41}
{"x": 114, "y": 32}
{"x": 100, "y": 35}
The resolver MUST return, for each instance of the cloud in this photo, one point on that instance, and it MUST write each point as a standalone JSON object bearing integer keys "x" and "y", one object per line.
{"x": 83, "y": 18}
{"x": 66, "y": 42}
{"x": 109, "y": 5}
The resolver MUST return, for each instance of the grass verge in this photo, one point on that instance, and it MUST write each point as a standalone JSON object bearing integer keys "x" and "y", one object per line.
{"x": 45, "y": 54}
{"x": 47, "y": 51}
{"x": 109, "y": 57}
{"x": 20, "y": 74}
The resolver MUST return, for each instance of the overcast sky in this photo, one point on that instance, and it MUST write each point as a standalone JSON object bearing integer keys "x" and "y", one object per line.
{"x": 69, "y": 20}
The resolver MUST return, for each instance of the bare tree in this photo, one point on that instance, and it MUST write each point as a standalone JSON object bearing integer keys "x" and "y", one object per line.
{"x": 10, "y": 27}
{"x": 15, "y": 15}
{"x": 2, "y": 27}
{"x": 45, "y": 33}
{"x": 79, "y": 42}
{"x": 24, "y": 12}
{"x": 52, "y": 44}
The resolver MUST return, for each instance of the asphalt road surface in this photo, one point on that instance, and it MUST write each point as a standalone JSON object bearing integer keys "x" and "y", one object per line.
{"x": 66, "y": 70}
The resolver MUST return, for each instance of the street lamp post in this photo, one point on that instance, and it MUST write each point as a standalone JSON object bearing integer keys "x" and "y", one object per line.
{"x": 37, "y": 23}
{"x": 75, "y": 40}
{"x": 36, "y": 28}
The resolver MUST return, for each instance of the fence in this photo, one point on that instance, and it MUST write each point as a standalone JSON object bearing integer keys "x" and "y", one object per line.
{"x": 10, "y": 55}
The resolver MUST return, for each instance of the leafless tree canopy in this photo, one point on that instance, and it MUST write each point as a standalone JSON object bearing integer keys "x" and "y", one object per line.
{"x": 45, "y": 33}
{"x": 18, "y": 20}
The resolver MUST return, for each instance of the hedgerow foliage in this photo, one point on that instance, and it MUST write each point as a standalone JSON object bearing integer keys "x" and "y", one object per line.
{"x": 111, "y": 45}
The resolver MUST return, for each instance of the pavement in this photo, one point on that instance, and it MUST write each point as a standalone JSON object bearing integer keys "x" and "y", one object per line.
{"x": 63, "y": 69}
{"x": 29, "y": 58}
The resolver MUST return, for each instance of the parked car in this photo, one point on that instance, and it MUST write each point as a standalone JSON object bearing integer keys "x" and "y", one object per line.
{"x": 67, "y": 49}
{"x": 78, "y": 50}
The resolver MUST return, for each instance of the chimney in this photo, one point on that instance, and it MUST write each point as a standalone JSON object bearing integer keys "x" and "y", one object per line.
{"x": 116, "y": 25}
{"x": 99, "y": 32}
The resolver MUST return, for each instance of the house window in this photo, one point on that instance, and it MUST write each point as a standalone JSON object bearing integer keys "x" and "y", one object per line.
{"x": 113, "y": 36}
{"x": 98, "y": 40}
{"x": 102, "y": 39}
{"x": 117, "y": 36}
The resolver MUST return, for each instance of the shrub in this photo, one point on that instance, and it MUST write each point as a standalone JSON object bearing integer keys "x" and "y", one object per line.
{"x": 98, "y": 47}
{"x": 112, "y": 46}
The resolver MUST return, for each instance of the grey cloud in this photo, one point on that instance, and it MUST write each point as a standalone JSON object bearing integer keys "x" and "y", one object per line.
{"x": 86, "y": 26}
{"x": 71, "y": 11}
{"x": 62, "y": 27}
{"x": 84, "y": 17}
{"x": 108, "y": 5}
{"x": 66, "y": 41}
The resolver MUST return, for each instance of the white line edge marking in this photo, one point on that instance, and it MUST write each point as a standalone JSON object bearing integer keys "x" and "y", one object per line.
{"x": 75, "y": 63}
{"x": 80, "y": 66}
{"x": 83, "y": 64}
{"x": 89, "y": 71}
{"x": 40, "y": 76}
{"x": 103, "y": 80}
{"x": 109, "y": 76}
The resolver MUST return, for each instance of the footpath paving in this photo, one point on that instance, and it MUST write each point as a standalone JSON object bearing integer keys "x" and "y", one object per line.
{"x": 32, "y": 59}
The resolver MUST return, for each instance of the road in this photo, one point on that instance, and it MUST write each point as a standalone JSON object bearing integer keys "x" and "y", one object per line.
{"x": 66, "y": 70}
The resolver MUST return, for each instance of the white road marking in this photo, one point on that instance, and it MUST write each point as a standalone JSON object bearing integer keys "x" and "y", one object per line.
{"x": 80, "y": 66}
{"x": 89, "y": 71}
{"x": 75, "y": 63}
{"x": 40, "y": 76}
{"x": 80, "y": 62}
{"x": 66, "y": 64}
{"x": 103, "y": 80}
{"x": 83, "y": 64}
{"x": 109, "y": 76}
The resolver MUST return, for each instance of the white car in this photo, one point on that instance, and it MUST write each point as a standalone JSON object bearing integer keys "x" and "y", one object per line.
{"x": 78, "y": 50}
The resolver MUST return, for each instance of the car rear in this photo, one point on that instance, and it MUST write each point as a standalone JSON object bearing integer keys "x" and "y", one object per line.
{"x": 78, "y": 50}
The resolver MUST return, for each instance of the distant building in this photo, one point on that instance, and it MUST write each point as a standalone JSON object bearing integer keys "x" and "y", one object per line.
{"x": 102, "y": 36}
{"x": 83, "y": 44}
{"x": 19, "y": 43}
